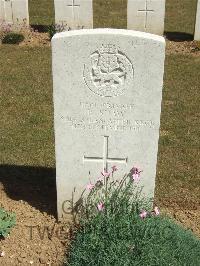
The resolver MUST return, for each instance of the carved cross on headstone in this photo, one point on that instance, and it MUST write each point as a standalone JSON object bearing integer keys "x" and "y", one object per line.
{"x": 73, "y": 5}
{"x": 105, "y": 158}
{"x": 146, "y": 10}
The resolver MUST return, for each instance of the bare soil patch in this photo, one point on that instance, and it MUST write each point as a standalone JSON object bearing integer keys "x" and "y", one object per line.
{"x": 185, "y": 212}
{"x": 35, "y": 38}
{"x": 185, "y": 48}
{"x": 37, "y": 238}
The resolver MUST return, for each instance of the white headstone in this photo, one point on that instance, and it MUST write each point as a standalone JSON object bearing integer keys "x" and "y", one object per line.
{"x": 107, "y": 87}
{"x": 197, "y": 26}
{"x": 146, "y": 15}
{"x": 14, "y": 12}
{"x": 76, "y": 14}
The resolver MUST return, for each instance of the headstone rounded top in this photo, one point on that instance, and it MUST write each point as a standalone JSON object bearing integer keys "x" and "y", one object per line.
{"x": 109, "y": 31}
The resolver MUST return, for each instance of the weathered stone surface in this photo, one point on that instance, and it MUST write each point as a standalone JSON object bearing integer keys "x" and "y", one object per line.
{"x": 75, "y": 14}
{"x": 146, "y": 15}
{"x": 107, "y": 101}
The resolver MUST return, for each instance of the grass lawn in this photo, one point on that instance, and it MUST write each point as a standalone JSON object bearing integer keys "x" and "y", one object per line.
{"x": 41, "y": 12}
{"x": 178, "y": 175}
{"x": 26, "y": 106}
{"x": 180, "y": 14}
{"x": 26, "y": 130}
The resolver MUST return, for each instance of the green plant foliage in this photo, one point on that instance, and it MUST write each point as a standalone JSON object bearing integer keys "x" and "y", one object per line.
{"x": 51, "y": 30}
{"x": 127, "y": 240}
{"x": 116, "y": 233}
{"x": 111, "y": 195}
{"x": 13, "y": 38}
{"x": 56, "y": 28}
{"x": 7, "y": 221}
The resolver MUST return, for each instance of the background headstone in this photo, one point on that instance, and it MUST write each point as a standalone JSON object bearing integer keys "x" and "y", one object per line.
{"x": 14, "y": 12}
{"x": 107, "y": 101}
{"x": 197, "y": 26}
{"x": 146, "y": 15}
{"x": 76, "y": 14}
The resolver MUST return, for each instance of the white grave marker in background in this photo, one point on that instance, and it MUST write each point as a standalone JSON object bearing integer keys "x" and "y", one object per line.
{"x": 146, "y": 15}
{"x": 107, "y": 101}
{"x": 76, "y": 14}
{"x": 197, "y": 26}
{"x": 14, "y": 12}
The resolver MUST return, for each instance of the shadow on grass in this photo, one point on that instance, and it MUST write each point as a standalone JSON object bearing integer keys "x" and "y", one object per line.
{"x": 35, "y": 185}
{"x": 179, "y": 36}
{"x": 40, "y": 28}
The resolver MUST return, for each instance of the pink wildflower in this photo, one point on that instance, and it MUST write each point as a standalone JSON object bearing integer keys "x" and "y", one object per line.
{"x": 114, "y": 168}
{"x": 136, "y": 177}
{"x": 105, "y": 173}
{"x": 100, "y": 206}
{"x": 156, "y": 211}
{"x": 90, "y": 186}
{"x": 136, "y": 174}
{"x": 143, "y": 214}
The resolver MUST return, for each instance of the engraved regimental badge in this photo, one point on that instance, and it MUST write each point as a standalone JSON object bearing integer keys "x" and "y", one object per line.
{"x": 109, "y": 72}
